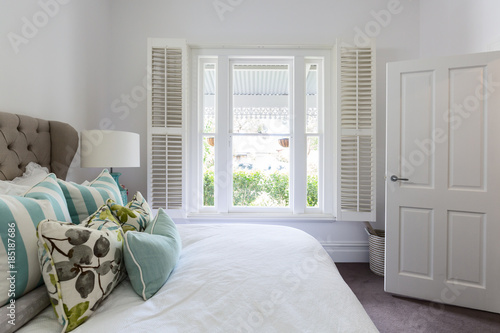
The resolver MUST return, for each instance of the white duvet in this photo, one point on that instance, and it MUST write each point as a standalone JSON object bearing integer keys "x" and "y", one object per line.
{"x": 235, "y": 278}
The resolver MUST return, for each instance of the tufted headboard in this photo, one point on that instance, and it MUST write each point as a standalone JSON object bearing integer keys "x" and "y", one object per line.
{"x": 24, "y": 139}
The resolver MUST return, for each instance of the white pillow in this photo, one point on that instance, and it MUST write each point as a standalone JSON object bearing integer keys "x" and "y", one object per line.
{"x": 8, "y": 188}
{"x": 34, "y": 174}
{"x": 18, "y": 186}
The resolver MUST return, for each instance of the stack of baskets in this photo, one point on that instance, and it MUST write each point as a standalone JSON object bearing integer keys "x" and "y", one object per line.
{"x": 376, "y": 247}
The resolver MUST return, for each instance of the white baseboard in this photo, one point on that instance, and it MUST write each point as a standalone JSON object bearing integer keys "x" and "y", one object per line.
{"x": 347, "y": 251}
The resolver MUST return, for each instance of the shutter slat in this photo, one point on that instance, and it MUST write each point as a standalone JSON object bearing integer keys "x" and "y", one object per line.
{"x": 167, "y": 97}
{"x": 356, "y": 121}
{"x": 158, "y": 171}
{"x": 167, "y": 106}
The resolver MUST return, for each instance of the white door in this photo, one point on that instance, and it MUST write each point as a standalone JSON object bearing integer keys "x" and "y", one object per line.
{"x": 443, "y": 223}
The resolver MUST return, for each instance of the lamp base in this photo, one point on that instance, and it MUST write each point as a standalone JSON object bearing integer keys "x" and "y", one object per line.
{"x": 123, "y": 192}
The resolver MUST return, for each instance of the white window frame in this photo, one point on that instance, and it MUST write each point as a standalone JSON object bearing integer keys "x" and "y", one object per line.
{"x": 349, "y": 151}
{"x": 251, "y": 60}
{"x": 299, "y": 57}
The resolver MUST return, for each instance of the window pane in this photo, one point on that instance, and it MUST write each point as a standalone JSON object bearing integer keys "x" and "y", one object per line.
{"x": 261, "y": 99}
{"x": 312, "y": 98}
{"x": 209, "y": 84}
{"x": 261, "y": 167}
{"x": 208, "y": 170}
{"x": 312, "y": 171}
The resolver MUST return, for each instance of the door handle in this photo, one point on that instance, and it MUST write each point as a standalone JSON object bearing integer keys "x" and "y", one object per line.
{"x": 395, "y": 178}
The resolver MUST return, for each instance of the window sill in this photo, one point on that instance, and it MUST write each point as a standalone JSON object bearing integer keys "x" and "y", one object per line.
{"x": 261, "y": 217}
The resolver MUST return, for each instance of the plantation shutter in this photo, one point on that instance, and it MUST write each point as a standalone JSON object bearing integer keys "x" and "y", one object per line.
{"x": 167, "y": 61}
{"x": 355, "y": 133}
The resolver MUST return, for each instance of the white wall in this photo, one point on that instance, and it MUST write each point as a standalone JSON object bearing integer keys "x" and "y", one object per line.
{"x": 451, "y": 27}
{"x": 57, "y": 69}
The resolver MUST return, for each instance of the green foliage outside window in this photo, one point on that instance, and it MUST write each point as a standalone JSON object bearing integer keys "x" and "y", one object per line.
{"x": 208, "y": 189}
{"x": 276, "y": 186}
{"x": 312, "y": 191}
{"x": 248, "y": 186}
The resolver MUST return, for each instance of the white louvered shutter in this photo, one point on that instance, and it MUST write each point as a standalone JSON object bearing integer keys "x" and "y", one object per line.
{"x": 356, "y": 133}
{"x": 167, "y": 63}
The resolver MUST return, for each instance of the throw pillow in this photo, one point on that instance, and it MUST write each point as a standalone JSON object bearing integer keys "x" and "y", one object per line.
{"x": 135, "y": 216}
{"x": 151, "y": 256}
{"x": 9, "y": 188}
{"x": 20, "y": 215}
{"x": 80, "y": 266}
{"x": 103, "y": 219}
{"x": 138, "y": 201}
{"x": 102, "y": 214}
{"x": 33, "y": 174}
{"x": 84, "y": 200}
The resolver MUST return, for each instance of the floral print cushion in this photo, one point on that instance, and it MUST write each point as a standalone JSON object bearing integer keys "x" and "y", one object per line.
{"x": 135, "y": 215}
{"x": 102, "y": 214}
{"x": 138, "y": 201}
{"x": 80, "y": 265}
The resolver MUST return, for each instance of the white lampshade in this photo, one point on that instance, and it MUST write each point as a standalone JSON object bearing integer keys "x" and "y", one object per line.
{"x": 109, "y": 149}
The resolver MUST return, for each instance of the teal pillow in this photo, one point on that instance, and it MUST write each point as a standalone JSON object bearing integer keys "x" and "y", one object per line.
{"x": 84, "y": 200}
{"x": 20, "y": 216}
{"x": 151, "y": 256}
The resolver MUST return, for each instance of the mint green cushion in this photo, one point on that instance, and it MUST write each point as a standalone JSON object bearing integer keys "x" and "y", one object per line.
{"x": 151, "y": 256}
{"x": 84, "y": 200}
{"x": 19, "y": 217}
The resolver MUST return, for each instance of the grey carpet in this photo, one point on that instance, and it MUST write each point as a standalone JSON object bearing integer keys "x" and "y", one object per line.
{"x": 399, "y": 314}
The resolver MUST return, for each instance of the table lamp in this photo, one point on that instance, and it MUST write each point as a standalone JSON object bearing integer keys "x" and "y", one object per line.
{"x": 110, "y": 149}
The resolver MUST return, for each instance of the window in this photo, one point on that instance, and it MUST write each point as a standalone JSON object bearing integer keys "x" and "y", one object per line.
{"x": 262, "y": 134}
{"x": 260, "y": 131}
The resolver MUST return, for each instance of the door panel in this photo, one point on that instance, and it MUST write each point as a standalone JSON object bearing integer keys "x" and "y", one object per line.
{"x": 417, "y": 108}
{"x": 443, "y": 224}
{"x": 467, "y": 128}
{"x": 416, "y": 237}
{"x": 466, "y": 248}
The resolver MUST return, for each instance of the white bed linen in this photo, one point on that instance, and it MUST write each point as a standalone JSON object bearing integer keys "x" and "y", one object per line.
{"x": 33, "y": 174}
{"x": 235, "y": 278}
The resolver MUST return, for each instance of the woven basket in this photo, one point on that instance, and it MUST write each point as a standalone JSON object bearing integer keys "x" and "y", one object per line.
{"x": 376, "y": 247}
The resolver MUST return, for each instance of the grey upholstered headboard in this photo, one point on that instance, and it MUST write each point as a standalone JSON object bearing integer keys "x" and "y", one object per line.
{"x": 24, "y": 139}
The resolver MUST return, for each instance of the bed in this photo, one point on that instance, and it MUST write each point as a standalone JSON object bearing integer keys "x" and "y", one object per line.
{"x": 228, "y": 278}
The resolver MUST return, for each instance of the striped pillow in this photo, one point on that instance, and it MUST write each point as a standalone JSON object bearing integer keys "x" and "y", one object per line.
{"x": 84, "y": 200}
{"x": 19, "y": 268}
